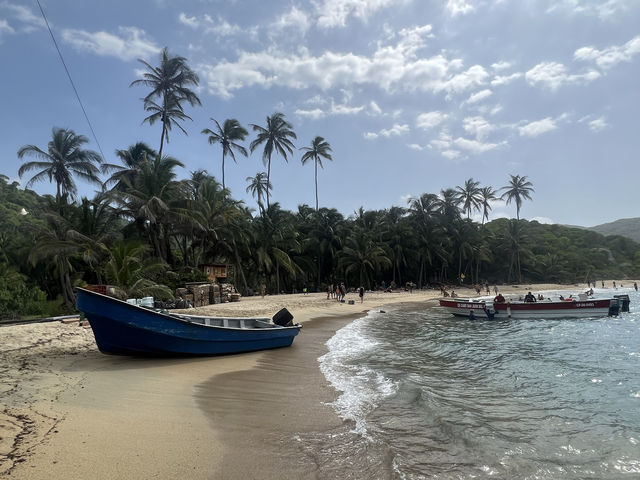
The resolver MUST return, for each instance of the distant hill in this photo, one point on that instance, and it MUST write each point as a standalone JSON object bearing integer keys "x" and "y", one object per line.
{"x": 626, "y": 227}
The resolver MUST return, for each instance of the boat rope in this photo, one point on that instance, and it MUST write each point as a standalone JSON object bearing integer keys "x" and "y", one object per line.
{"x": 70, "y": 79}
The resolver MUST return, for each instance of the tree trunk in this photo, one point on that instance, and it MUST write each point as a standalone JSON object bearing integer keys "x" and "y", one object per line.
{"x": 268, "y": 179}
{"x": 164, "y": 130}
{"x": 239, "y": 267}
{"x": 316, "y": 163}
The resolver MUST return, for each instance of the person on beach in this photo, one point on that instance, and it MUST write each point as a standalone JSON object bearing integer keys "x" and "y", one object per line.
{"x": 361, "y": 294}
{"x": 529, "y": 298}
{"x": 635, "y": 285}
{"x": 343, "y": 292}
{"x": 495, "y": 289}
{"x": 263, "y": 290}
{"x": 329, "y": 291}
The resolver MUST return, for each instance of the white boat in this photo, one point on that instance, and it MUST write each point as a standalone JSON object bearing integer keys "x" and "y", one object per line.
{"x": 581, "y": 307}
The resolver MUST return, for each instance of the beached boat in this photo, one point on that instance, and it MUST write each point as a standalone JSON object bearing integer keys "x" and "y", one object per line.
{"x": 581, "y": 307}
{"x": 122, "y": 328}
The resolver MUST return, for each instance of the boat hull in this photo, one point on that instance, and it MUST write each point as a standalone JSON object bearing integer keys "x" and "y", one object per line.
{"x": 525, "y": 310}
{"x": 121, "y": 328}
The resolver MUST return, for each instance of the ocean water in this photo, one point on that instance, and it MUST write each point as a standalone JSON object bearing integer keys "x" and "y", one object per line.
{"x": 427, "y": 395}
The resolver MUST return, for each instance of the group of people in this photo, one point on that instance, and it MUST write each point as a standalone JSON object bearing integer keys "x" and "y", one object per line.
{"x": 339, "y": 291}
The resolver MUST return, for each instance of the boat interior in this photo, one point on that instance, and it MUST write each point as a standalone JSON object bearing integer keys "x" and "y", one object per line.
{"x": 227, "y": 322}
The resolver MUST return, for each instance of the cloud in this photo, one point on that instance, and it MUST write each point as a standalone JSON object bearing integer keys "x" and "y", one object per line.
{"x": 5, "y": 28}
{"x": 501, "y": 65}
{"x": 544, "y": 220}
{"x": 395, "y": 131}
{"x": 333, "y": 109}
{"x": 479, "y": 96}
{"x": 505, "y": 79}
{"x": 553, "y": 75}
{"x": 374, "y": 108}
{"x": 478, "y": 127}
{"x": 129, "y": 44}
{"x": 601, "y": 9}
{"x": 294, "y": 19}
{"x": 475, "y": 146}
{"x": 595, "y": 124}
{"x": 28, "y": 20}
{"x": 219, "y": 27}
{"x": 538, "y": 127}
{"x": 415, "y": 146}
{"x": 611, "y": 56}
{"x": 458, "y": 7}
{"x": 334, "y": 13}
{"x": 370, "y": 136}
{"x": 428, "y": 120}
{"x": 390, "y": 68}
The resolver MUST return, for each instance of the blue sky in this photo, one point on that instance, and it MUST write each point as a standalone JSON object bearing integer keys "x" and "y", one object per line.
{"x": 413, "y": 95}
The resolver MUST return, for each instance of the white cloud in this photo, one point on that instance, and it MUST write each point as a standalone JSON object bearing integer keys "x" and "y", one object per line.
{"x": 554, "y": 75}
{"x": 505, "y": 79}
{"x": 24, "y": 16}
{"x": 188, "y": 21}
{"x": 395, "y": 131}
{"x": 390, "y": 67}
{"x": 415, "y": 146}
{"x": 219, "y": 27}
{"x": 603, "y": 9}
{"x": 544, "y": 220}
{"x": 428, "y": 120}
{"x": 501, "y": 65}
{"x": 475, "y": 146}
{"x": 595, "y": 124}
{"x": 374, "y": 108}
{"x": 294, "y": 19}
{"x": 538, "y": 127}
{"x": 479, "y": 96}
{"x": 450, "y": 154}
{"x": 5, "y": 27}
{"x": 459, "y": 7}
{"x": 130, "y": 43}
{"x": 370, "y": 136}
{"x": 314, "y": 114}
{"x": 611, "y": 56}
{"x": 334, "y": 13}
{"x": 478, "y": 127}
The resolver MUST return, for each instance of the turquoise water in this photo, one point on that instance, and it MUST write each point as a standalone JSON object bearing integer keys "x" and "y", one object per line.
{"x": 427, "y": 395}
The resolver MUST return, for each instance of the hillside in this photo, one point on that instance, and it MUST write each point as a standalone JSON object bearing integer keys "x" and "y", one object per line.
{"x": 626, "y": 227}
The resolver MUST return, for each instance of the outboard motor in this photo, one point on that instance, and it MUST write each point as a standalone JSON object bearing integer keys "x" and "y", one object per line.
{"x": 283, "y": 318}
{"x": 624, "y": 300}
{"x": 614, "y": 307}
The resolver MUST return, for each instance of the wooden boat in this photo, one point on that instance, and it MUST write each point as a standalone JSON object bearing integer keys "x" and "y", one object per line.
{"x": 581, "y": 307}
{"x": 123, "y": 328}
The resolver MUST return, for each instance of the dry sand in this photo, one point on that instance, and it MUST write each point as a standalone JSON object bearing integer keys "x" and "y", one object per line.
{"x": 68, "y": 411}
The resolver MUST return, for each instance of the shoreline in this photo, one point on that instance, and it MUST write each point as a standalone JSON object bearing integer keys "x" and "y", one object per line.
{"x": 70, "y": 411}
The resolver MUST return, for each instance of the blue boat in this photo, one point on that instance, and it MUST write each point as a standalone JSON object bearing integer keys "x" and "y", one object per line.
{"x": 123, "y": 328}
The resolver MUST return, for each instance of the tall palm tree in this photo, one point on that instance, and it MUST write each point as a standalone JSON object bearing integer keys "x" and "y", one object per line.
{"x": 170, "y": 83}
{"x": 469, "y": 196}
{"x": 276, "y": 137}
{"x": 259, "y": 186}
{"x": 318, "y": 150}
{"x": 64, "y": 158}
{"x": 133, "y": 158}
{"x": 487, "y": 195}
{"x": 226, "y": 136}
{"x": 517, "y": 190}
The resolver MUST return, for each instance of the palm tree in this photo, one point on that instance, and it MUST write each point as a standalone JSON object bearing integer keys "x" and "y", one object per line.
{"x": 318, "y": 150}
{"x": 169, "y": 82}
{"x": 133, "y": 158}
{"x": 276, "y": 137}
{"x": 227, "y": 136}
{"x": 469, "y": 196}
{"x": 487, "y": 195}
{"x": 63, "y": 159}
{"x": 132, "y": 274}
{"x": 362, "y": 256}
{"x": 259, "y": 186}
{"x": 518, "y": 189}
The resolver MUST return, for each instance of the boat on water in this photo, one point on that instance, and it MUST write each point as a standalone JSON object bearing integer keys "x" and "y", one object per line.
{"x": 581, "y": 307}
{"x": 124, "y": 328}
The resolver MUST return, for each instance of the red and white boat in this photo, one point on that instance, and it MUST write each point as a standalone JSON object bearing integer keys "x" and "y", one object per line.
{"x": 582, "y": 307}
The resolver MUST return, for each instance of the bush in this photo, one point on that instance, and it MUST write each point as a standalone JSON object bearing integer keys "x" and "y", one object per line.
{"x": 19, "y": 300}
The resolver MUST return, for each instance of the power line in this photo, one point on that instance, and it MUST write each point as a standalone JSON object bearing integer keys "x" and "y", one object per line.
{"x": 70, "y": 79}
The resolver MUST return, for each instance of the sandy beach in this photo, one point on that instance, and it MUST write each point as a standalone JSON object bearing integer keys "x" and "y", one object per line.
{"x": 69, "y": 411}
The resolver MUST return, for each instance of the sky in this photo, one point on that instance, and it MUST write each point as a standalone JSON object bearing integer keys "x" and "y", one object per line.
{"x": 414, "y": 96}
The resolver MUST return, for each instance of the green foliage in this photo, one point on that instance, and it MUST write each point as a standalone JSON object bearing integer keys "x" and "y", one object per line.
{"x": 17, "y": 298}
